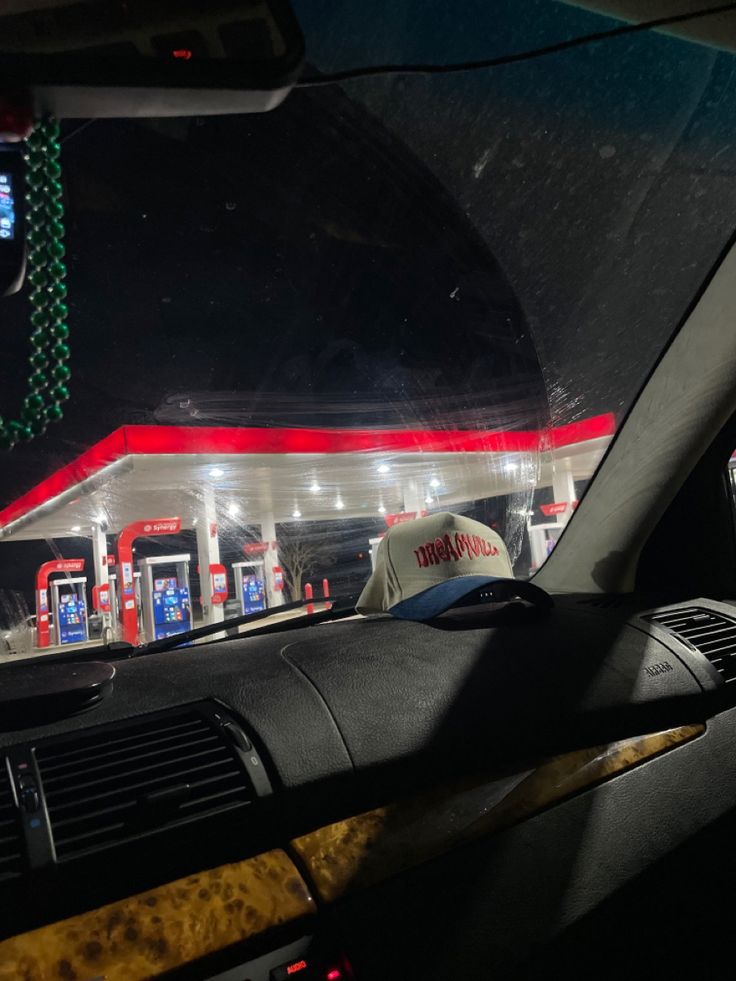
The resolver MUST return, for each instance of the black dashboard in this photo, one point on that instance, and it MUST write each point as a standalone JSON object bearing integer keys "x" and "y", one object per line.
{"x": 346, "y": 716}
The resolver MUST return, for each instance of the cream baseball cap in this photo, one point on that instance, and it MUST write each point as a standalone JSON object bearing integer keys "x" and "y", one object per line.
{"x": 426, "y": 566}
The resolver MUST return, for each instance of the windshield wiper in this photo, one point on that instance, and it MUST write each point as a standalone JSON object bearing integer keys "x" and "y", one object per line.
{"x": 121, "y": 650}
{"x": 341, "y": 607}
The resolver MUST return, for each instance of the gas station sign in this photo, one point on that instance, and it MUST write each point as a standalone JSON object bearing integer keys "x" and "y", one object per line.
{"x": 397, "y": 519}
{"x": 255, "y": 548}
{"x": 559, "y": 507}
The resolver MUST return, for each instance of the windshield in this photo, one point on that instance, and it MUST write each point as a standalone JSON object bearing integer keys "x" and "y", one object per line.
{"x": 386, "y": 298}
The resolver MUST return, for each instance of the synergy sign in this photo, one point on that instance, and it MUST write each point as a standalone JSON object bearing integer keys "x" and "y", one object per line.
{"x": 164, "y": 526}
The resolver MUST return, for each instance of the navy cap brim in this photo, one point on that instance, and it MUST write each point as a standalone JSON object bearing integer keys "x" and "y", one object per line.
{"x": 437, "y": 599}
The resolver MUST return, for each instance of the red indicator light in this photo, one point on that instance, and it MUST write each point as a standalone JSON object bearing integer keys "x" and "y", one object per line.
{"x": 184, "y": 54}
{"x": 334, "y": 975}
{"x": 296, "y": 966}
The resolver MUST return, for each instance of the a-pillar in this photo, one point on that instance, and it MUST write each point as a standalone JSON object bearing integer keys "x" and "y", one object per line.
{"x": 102, "y": 572}
{"x": 208, "y": 553}
{"x": 274, "y": 597}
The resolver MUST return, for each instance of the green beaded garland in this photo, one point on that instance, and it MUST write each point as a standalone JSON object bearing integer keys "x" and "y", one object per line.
{"x": 60, "y": 351}
{"x": 59, "y": 311}
{"x": 53, "y": 412}
{"x": 35, "y": 179}
{"x": 20, "y": 430}
{"x": 40, "y": 318}
{"x": 38, "y": 277}
{"x": 59, "y": 393}
{"x": 34, "y": 402}
{"x": 44, "y": 234}
{"x": 52, "y": 169}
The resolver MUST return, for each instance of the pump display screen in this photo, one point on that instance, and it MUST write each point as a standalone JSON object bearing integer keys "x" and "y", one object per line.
{"x": 72, "y": 614}
{"x": 254, "y": 595}
{"x": 171, "y": 610}
{"x": 7, "y": 207}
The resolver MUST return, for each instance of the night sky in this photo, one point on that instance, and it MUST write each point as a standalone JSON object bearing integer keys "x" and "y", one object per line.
{"x": 497, "y": 249}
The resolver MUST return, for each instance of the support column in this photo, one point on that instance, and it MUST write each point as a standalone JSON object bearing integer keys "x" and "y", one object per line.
{"x": 208, "y": 553}
{"x": 563, "y": 489}
{"x": 274, "y": 596}
{"x": 413, "y": 497}
{"x": 102, "y": 571}
{"x": 537, "y": 546}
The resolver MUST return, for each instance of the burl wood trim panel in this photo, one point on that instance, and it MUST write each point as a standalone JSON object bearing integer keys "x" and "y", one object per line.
{"x": 156, "y": 931}
{"x": 349, "y": 855}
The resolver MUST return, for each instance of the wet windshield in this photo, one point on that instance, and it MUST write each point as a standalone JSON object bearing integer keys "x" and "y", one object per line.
{"x": 388, "y": 297}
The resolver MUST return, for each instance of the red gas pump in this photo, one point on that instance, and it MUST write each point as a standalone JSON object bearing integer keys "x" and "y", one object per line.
{"x": 101, "y": 598}
{"x": 43, "y": 633}
{"x": 218, "y": 584}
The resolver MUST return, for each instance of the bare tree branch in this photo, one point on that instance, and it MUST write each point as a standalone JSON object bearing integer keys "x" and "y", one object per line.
{"x": 301, "y": 554}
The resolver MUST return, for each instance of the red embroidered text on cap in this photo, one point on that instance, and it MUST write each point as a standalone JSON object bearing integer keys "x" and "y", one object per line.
{"x": 447, "y": 549}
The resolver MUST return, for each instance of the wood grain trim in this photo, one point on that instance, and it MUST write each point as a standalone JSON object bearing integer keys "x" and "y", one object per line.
{"x": 349, "y": 855}
{"x": 156, "y": 931}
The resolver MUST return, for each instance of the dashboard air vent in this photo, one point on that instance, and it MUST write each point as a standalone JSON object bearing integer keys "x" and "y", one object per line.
{"x": 11, "y": 840}
{"x": 115, "y": 783}
{"x": 712, "y": 634}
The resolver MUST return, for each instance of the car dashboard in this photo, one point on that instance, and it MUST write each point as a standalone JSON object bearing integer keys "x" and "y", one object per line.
{"x": 372, "y": 798}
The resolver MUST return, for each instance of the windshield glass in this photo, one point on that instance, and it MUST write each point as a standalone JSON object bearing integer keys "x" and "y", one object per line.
{"x": 387, "y": 297}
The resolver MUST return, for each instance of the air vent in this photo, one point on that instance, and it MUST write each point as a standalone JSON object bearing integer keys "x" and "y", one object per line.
{"x": 11, "y": 839}
{"x": 113, "y": 784}
{"x": 711, "y": 634}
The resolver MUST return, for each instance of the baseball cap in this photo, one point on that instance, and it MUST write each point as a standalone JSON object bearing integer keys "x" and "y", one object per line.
{"x": 426, "y": 566}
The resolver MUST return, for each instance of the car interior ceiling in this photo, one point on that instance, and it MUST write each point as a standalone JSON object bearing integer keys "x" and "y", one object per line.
{"x": 505, "y": 790}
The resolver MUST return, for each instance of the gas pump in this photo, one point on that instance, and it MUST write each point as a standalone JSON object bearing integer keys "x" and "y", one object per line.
{"x": 115, "y": 601}
{"x": 250, "y": 585}
{"x": 69, "y": 608}
{"x": 166, "y": 601}
{"x": 44, "y": 610}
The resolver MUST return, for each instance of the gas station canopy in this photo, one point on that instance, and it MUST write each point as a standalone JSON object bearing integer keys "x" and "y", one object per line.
{"x": 313, "y": 474}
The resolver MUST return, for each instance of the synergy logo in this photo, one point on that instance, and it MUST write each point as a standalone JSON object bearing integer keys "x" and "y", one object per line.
{"x": 162, "y": 527}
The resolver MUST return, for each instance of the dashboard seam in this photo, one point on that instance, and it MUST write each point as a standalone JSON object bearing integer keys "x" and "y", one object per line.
{"x": 299, "y": 670}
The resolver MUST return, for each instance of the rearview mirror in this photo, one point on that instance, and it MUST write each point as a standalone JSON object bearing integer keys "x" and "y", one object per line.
{"x": 97, "y": 58}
